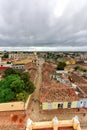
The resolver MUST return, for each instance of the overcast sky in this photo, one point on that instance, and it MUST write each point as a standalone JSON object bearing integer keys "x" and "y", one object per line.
{"x": 41, "y": 23}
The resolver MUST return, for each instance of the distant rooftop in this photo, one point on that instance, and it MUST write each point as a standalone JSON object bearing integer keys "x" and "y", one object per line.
{"x": 18, "y": 62}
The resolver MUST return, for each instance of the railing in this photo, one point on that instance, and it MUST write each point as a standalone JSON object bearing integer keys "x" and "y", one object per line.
{"x": 55, "y": 124}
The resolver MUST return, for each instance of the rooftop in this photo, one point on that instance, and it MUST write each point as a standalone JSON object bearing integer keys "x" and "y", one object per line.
{"x": 81, "y": 82}
{"x": 57, "y": 92}
{"x": 17, "y": 62}
{"x": 53, "y": 91}
{"x": 78, "y": 79}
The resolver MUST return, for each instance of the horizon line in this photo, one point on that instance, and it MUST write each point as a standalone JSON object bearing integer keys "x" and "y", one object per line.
{"x": 42, "y": 49}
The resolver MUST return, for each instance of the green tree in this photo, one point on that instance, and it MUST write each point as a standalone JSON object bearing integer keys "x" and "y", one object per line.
{"x": 9, "y": 71}
{"x": 22, "y": 96}
{"x": 6, "y": 95}
{"x": 61, "y": 66}
{"x": 5, "y": 83}
{"x": 77, "y": 67}
{"x": 6, "y": 54}
{"x": 12, "y": 85}
{"x": 17, "y": 85}
{"x": 25, "y": 76}
{"x": 9, "y": 79}
{"x": 30, "y": 87}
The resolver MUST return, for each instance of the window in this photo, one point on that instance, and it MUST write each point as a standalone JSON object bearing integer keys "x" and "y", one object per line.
{"x": 69, "y": 105}
{"x": 81, "y": 104}
{"x": 60, "y": 105}
{"x": 21, "y": 67}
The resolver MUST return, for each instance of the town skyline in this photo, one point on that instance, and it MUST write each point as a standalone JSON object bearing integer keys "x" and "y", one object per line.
{"x": 45, "y": 49}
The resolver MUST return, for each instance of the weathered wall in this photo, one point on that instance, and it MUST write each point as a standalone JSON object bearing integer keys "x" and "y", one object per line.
{"x": 10, "y": 106}
{"x": 74, "y": 104}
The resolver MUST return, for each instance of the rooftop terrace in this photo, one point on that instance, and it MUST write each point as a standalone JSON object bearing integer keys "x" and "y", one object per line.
{"x": 55, "y": 124}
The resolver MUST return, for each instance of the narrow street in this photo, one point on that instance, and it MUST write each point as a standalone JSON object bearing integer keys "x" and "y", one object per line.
{"x": 34, "y": 109}
{"x": 37, "y": 114}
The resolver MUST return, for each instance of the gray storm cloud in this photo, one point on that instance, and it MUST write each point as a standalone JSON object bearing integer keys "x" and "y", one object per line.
{"x": 43, "y": 23}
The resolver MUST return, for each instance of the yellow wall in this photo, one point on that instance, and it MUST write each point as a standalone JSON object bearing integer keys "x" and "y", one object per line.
{"x": 55, "y": 105}
{"x": 51, "y": 124}
{"x": 71, "y": 62}
{"x": 44, "y": 105}
{"x": 65, "y": 104}
{"x": 74, "y": 104}
{"x": 12, "y": 106}
{"x": 22, "y": 62}
{"x": 68, "y": 62}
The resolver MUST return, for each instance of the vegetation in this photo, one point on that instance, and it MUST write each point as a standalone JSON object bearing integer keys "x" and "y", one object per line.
{"x": 51, "y": 57}
{"x": 80, "y": 68}
{"x": 15, "y": 86}
{"x": 25, "y": 77}
{"x": 6, "y": 55}
{"x": 9, "y": 71}
{"x": 61, "y": 66}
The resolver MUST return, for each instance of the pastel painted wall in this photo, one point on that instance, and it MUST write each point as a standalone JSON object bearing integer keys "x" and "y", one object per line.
{"x": 49, "y": 106}
{"x": 44, "y": 105}
{"x": 11, "y": 106}
{"x": 55, "y": 105}
{"x": 65, "y": 104}
{"x": 85, "y": 103}
{"x": 80, "y": 103}
{"x": 18, "y": 66}
{"x": 74, "y": 104}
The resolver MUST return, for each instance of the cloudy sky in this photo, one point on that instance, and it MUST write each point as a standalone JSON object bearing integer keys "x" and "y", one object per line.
{"x": 43, "y": 23}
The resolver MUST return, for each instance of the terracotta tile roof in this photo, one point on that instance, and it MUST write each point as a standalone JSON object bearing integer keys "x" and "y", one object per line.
{"x": 6, "y": 122}
{"x": 83, "y": 87}
{"x": 80, "y": 81}
{"x": 57, "y": 92}
{"x": 77, "y": 79}
{"x": 30, "y": 65}
{"x": 53, "y": 91}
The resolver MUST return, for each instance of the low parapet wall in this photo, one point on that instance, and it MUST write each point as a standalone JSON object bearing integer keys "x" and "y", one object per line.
{"x": 13, "y": 106}
{"x": 10, "y": 106}
{"x": 27, "y": 102}
{"x": 54, "y": 124}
